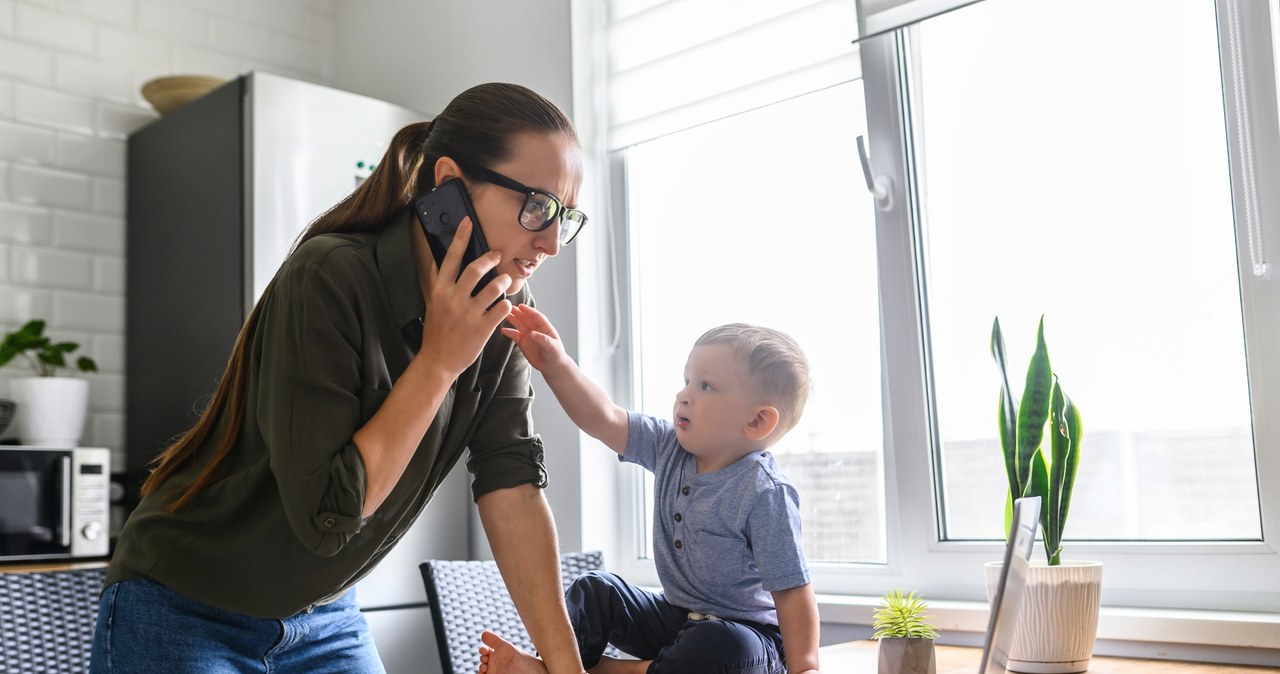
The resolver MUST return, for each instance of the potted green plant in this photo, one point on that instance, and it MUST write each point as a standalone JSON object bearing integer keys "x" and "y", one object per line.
{"x": 1062, "y": 599}
{"x": 50, "y": 407}
{"x": 905, "y": 634}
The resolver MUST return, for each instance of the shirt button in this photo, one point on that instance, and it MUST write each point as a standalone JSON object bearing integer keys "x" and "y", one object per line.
{"x": 329, "y": 522}
{"x": 684, "y": 490}
{"x": 679, "y": 517}
{"x": 679, "y": 544}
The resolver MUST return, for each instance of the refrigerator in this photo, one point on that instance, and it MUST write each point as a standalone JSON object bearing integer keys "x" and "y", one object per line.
{"x": 217, "y": 193}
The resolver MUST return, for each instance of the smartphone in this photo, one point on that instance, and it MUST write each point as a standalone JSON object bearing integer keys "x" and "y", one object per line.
{"x": 439, "y": 212}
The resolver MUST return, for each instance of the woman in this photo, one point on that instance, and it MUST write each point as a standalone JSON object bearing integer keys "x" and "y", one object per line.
{"x": 353, "y": 388}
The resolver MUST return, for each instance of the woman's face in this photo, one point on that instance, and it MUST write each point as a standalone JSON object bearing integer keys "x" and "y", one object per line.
{"x": 548, "y": 162}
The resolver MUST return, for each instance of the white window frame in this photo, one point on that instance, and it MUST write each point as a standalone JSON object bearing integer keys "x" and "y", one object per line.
{"x": 1217, "y": 601}
{"x": 1246, "y": 576}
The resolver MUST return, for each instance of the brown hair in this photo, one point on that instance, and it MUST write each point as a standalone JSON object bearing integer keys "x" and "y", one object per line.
{"x": 478, "y": 126}
{"x": 775, "y": 363}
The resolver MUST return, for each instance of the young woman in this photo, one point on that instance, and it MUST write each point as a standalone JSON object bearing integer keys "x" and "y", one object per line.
{"x": 355, "y": 385}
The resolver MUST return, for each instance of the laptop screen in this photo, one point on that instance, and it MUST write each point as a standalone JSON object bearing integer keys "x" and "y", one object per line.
{"x": 1007, "y": 602}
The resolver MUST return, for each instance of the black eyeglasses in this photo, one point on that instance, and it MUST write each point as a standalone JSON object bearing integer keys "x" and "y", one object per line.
{"x": 540, "y": 208}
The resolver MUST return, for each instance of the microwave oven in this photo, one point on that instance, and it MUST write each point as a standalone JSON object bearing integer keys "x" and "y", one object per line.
{"x": 54, "y": 502}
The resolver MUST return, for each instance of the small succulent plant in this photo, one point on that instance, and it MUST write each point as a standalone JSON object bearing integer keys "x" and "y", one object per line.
{"x": 901, "y": 616}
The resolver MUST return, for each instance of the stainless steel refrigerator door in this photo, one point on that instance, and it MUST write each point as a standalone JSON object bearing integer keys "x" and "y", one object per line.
{"x": 303, "y": 144}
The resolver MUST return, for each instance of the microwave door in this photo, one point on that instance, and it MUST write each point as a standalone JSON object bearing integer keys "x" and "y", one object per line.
{"x": 34, "y": 510}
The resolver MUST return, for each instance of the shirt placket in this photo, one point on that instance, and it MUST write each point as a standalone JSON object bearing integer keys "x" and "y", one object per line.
{"x": 683, "y": 503}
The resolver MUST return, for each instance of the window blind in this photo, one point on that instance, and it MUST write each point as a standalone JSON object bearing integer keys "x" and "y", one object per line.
{"x": 676, "y": 64}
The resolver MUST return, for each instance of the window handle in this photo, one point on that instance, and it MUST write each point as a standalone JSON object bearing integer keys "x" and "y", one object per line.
{"x": 880, "y": 187}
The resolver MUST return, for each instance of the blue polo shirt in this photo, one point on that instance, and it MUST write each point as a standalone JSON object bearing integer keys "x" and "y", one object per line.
{"x": 722, "y": 541}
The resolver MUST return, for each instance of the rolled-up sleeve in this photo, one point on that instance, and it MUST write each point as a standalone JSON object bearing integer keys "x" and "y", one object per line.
{"x": 504, "y": 451}
{"x": 309, "y": 403}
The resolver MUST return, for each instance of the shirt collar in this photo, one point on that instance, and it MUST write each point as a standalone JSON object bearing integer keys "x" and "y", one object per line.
{"x": 728, "y": 472}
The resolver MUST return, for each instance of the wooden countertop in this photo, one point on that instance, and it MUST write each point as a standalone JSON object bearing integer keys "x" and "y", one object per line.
{"x": 862, "y": 657}
{"x": 29, "y": 567}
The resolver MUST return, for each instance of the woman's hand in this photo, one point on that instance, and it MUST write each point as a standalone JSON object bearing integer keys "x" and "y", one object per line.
{"x": 457, "y": 325}
{"x": 536, "y": 337}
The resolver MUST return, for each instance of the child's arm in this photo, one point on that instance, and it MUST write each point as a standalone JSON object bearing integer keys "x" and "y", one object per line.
{"x": 798, "y": 620}
{"x": 586, "y": 404}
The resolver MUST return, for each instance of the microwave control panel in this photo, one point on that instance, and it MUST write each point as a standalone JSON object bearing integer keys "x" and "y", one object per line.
{"x": 90, "y": 498}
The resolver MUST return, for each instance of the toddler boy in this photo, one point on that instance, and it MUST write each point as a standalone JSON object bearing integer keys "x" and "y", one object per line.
{"x": 727, "y": 544}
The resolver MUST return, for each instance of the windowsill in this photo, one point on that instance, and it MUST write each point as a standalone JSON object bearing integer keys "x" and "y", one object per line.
{"x": 53, "y": 565}
{"x": 1213, "y": 636}
{"x": 862, "y": 656}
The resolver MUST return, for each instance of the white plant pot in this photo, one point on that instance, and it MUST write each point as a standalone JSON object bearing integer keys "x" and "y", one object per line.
{"x": 50, "y": 410}
{"x": 903, "y": 655}
{"x": 1058, "y": 623}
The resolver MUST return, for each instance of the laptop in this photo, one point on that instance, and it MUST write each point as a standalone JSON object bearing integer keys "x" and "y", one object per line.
{"x": 1007, "y": 602}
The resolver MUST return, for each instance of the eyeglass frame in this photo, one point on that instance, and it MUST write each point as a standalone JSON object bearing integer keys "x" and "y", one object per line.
{"x": 491, "y": 176}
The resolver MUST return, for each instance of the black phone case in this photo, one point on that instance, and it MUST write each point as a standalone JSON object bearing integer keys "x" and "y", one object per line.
{"x": 439, "y": 212}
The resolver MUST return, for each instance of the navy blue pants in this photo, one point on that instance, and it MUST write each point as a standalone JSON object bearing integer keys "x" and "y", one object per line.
{"x": 606, "y": 609}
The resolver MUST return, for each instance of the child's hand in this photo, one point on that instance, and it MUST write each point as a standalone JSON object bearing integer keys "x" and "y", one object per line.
{"x": 586, "y": 404}
{"x": 536, "y": 337}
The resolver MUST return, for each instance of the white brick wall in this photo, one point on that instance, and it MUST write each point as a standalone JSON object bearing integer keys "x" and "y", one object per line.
{"x": 71, "y": 73}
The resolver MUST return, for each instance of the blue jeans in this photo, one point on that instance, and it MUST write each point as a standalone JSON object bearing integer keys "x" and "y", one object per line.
{"x": 605, "y": 609}
{"x": 145, "y": 627}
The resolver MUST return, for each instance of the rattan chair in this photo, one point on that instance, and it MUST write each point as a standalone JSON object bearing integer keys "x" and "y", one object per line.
{"x": 47, "y": 618}
{"x": 468, "y": 597}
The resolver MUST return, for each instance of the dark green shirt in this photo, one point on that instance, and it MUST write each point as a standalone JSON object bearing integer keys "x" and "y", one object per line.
{"x": 280, "y": 528}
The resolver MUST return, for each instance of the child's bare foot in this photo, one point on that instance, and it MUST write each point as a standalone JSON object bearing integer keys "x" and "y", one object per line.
{"x": 499, "y": 656}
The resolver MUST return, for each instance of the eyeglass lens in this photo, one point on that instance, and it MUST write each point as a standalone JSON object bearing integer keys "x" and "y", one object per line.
{"x": 539, "y": 210}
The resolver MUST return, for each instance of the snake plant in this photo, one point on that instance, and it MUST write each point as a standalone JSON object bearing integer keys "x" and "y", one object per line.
{"x": 1032, "y": 470}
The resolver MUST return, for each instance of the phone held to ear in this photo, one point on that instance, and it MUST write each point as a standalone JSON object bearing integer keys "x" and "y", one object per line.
{"x": 439, "y": 211}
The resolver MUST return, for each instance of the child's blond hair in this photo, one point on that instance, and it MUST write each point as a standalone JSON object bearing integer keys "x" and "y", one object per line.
{"x": 774, "y": 362}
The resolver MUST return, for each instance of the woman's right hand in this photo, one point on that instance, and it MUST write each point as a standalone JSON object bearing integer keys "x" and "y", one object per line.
{"x": 457, "y": 325}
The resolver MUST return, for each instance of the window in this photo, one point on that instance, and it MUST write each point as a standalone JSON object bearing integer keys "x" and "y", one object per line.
{"x": 1083, "y": 160}
{"x": 1103, "y": 201}
{"x": 769, "y": 232}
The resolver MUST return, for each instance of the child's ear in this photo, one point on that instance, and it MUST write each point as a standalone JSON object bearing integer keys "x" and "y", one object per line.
{"x": 762, "y": 424}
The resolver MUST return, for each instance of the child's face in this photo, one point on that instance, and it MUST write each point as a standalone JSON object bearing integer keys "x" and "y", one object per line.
{"x": 718, "y": 401}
